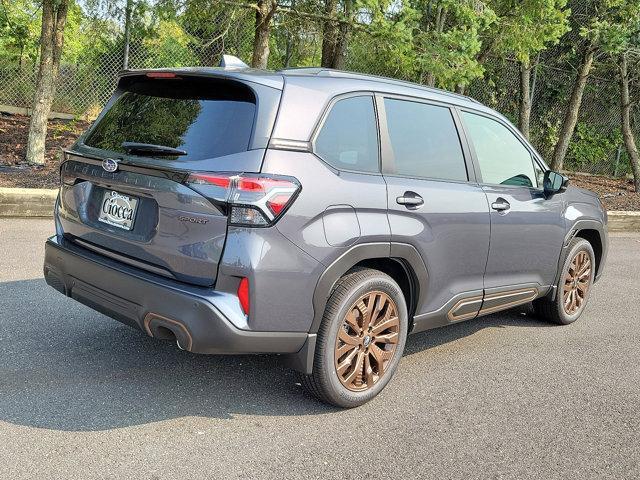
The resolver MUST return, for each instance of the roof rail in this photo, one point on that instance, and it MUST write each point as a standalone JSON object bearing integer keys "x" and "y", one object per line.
{"x": 330, "y": 72}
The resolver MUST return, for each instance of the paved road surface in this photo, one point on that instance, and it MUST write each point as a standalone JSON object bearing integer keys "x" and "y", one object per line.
{"x": 506, "y": 396}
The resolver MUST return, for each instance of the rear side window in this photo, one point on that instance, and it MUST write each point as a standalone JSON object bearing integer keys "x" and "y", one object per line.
{"x": 348, "y": 139}
{"x": 205, "y": 118}
{"x": 502, "y": 158}
{"x": 424, "y": 140}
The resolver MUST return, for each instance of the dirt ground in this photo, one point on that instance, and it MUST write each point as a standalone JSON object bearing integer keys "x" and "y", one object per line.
{"x": 616, "y": 193}
{"x": 13, "y": 145}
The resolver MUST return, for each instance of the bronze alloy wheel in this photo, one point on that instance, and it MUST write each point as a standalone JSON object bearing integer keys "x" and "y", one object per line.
{"x": 576, "y": 282}
{"x": 366, "y": 341}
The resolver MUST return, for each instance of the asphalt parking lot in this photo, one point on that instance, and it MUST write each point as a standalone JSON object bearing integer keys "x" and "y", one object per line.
{"x": 506, "y": 396}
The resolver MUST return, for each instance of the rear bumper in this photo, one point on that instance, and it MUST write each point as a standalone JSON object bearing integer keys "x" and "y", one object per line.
{"x": 198, "y": 317}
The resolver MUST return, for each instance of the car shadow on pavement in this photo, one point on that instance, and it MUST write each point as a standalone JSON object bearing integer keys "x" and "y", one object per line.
{"x": 66, "y": 367}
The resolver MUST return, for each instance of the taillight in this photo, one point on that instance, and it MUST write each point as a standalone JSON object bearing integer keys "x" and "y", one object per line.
{"x": 217, "y": 180}
{"x": 255, "y": 200}
{"x": 243, "y": 295}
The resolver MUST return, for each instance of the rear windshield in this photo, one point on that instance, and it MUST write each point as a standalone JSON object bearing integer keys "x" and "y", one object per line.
{"x": 203, "y": 117}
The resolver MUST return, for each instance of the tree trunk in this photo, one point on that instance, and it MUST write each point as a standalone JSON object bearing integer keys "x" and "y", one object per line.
{"x": 54, "y": 16}
{"x": 571, "y": 115}
{"x": 264, "y": 13}
{"x": 288, "y": 53}
{"x": 430, "y": 80}
{"x": 485, "y": 52}
{"x": 21, "y": 60}
{"x": 340, "y": 53}
{"x": 525, "y": 99}
{"x": 330, "y": 33}
{"x": 627, "y": 133}
{"x": 127, "y": 34}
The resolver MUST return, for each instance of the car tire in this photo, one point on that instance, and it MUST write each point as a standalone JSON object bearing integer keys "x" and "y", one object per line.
{"x": 574, "y": 285}
{"x": 360, "y": 340}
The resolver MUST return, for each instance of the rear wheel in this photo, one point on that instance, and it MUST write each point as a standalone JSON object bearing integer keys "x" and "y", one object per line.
{"x": 360, "y": 340}
{"x": 574, "y": 286}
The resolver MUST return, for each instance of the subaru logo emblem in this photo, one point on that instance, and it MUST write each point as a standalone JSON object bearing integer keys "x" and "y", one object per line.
{"x": 110, "y": 165}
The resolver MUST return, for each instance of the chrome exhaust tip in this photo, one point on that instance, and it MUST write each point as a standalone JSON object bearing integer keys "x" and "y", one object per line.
{"x": 165, "y": 328}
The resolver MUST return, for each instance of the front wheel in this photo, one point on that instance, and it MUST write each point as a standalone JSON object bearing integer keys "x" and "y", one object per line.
{"x": 360, "y": 340}
{"x": 574, "y": 286}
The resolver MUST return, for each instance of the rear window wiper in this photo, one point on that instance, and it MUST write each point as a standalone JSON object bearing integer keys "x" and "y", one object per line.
{"x": 148, "y": 148}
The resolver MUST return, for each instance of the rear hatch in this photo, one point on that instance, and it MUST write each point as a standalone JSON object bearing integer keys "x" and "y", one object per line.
{"x": 124, "y": 192}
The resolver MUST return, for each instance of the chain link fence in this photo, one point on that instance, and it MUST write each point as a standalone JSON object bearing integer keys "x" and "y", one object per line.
{"x": 596, "y": 147}
{"x": 86, "y": 82}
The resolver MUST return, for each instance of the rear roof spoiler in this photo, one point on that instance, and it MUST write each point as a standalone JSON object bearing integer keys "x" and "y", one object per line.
{"x": 243, "y": 74}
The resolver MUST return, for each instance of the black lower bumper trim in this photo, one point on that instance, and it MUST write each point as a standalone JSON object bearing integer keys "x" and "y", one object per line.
{"x": 131, "y": 296}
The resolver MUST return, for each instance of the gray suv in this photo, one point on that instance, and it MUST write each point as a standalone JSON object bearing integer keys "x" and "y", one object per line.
{"x": 316, "y": 214}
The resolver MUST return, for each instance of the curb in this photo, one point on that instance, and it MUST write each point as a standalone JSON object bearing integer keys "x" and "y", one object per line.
{"x": 27, "y": 202}
{"x": 620, "y": 221}
{"x": 39, "y": 202}
{"x": 27, "y": 112}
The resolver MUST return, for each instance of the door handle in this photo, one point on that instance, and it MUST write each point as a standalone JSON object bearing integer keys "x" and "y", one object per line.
{"x": 410, "y": 200}
{"x": 501, "y": 205}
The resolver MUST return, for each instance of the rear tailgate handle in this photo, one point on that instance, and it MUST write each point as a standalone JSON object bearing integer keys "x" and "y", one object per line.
{"x": 410, "y": 200}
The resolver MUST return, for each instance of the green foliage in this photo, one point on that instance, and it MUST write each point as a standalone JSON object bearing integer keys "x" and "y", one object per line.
{"x": 76, "y": 41}
{"x": 591, "y": 146}
{"x": 19, "y": 31}
{"x": 477, "y": 44}
{"x": 170, "y": 45}
{"x": 387, "y": 40}
{"x": 448, "y": 42}
{"x": 212, "y": 27}
{"x": 525, "y": 28}
{"x": 615, "y": 28}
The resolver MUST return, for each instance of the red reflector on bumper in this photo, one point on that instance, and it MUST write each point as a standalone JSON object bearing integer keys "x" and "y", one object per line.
{"x": 243, "y": 295}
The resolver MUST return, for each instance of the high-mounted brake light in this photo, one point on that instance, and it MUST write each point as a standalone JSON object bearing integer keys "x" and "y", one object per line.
{"x": 161, "y": 75}
{"x": 254, "y": 200}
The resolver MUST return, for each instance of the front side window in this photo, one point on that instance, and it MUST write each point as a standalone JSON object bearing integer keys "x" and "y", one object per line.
{"x": 348, "y": 139}
{"x": 424, "y": 141}
{"x": 502, "y": 158}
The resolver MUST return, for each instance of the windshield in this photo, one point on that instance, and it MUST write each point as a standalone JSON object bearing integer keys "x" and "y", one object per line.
{"x": 204, "y": 118}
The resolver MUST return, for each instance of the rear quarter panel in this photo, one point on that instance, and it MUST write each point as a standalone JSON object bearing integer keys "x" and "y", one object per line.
{"x": 335, "y": 210}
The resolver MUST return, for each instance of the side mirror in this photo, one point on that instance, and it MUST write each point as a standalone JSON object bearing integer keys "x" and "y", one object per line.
{"x": 554, "y": 182}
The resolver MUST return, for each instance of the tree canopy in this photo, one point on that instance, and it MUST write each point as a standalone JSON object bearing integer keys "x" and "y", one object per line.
{"x": 550, "y": 65}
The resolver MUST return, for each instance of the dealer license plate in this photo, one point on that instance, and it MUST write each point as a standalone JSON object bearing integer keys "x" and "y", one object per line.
{"x": 118, "y": 210}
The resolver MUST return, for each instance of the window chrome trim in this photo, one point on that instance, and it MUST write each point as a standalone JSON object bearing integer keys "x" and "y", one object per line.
{"x": 290, "y": 145}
